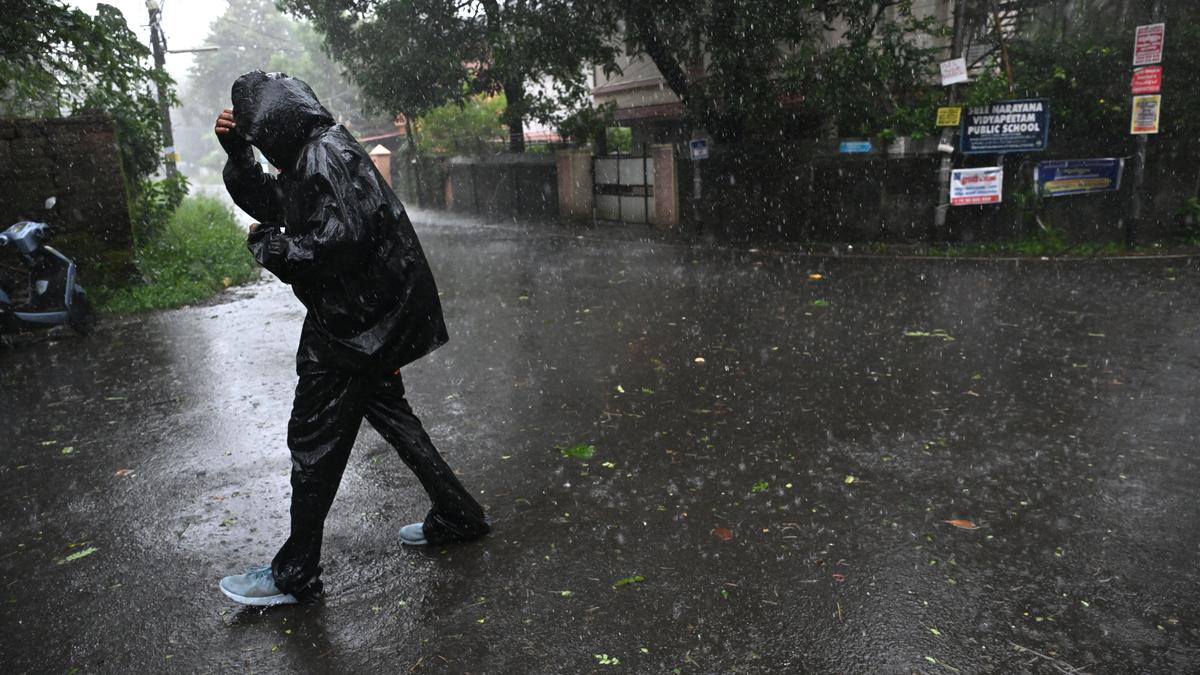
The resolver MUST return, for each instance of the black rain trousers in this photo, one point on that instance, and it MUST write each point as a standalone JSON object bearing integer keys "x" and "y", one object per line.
{"x": 329, "y": 408}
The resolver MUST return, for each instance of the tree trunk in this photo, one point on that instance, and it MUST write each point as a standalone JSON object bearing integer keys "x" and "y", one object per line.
{"x": 514, "y": 115}
{"x": 414, "y": 157}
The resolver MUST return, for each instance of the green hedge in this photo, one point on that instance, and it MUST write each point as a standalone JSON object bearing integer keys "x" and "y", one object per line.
{"x": 200, "y": 251}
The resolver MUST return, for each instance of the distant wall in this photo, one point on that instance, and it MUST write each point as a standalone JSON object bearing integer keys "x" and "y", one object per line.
{"x": 77, "y": 161}
{"x": 810, "y": 192}
{"x": 519, "y": 185}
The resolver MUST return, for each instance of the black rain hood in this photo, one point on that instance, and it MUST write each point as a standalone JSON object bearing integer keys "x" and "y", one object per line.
{"x": 333, "y": 229}
{"x": 277, "y": 113}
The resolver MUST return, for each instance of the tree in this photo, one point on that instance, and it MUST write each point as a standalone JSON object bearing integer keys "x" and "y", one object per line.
{"x": 467, "y": 128}
{"x": 410, "y": 56}
{"x": 253, "y": 34}
{"x": 767, "y": 68}
{"x": 59, "y": 60}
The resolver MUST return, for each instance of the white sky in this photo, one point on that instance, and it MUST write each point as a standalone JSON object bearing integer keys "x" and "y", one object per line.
{"x": 185, "y": 23}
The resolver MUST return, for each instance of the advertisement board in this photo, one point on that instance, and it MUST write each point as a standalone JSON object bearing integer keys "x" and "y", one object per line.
{"x": 1146, "y": 80}
{"x": 1148, "y": 44}
{"x": 1146, "y": 111}
{"x": 954, "y": 71}
{"x": 976, "y": 186}
{"x": 949, "y": 116}
{"x": 1066, "y": 177}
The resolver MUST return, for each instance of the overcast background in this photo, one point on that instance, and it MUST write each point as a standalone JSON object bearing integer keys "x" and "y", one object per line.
{"x": 185, "y": 23}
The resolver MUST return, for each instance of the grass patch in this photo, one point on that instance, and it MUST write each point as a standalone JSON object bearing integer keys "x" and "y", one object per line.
{"x": 200, "y": 251}
{"x": 1046, "y": 243}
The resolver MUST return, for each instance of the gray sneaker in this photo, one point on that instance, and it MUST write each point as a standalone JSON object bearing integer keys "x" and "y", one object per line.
{"x": 255, "y": 587}
{"x": 413, "y": 534}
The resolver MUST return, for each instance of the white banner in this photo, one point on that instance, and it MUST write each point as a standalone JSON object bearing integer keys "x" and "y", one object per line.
{"x": 976, "y": 186}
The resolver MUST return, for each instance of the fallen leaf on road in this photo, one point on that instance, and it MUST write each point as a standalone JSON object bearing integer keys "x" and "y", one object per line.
{"x": 78, "y": 554}
{"x": 635, "y": 579}
{"x": 121, "y": 473}
{"x": 815, "y": 277}
{"x": 849, "y": 480}
{"x": 723, "y": 533}
{"x": 964, "y": 524}
{"x": 581, "y": 451}
{"x": 937, "y": 333}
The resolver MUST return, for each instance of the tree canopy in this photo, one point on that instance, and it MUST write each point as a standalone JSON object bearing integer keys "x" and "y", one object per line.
{"x": 58, "y": 60}
{"x": 410, "y": 56}
{"x": 766, "y": 68}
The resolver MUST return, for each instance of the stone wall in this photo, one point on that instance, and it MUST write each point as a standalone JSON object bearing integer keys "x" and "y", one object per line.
{"x": 77, "y": 161}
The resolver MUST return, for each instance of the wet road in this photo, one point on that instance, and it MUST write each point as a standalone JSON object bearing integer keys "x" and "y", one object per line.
{"x": 775, "y": 457}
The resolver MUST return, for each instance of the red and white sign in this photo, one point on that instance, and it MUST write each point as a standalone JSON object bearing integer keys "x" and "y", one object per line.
{"x": 976, "y": 186}
{"x": 1148, "y": 44}
{"x": 1146, "y": 80}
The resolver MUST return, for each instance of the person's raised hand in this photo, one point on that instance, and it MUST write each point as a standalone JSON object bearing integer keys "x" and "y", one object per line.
{"x": 227, "y": 133}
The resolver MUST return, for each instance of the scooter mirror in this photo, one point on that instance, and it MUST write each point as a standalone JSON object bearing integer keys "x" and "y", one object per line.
{"x": 51, "y": 202}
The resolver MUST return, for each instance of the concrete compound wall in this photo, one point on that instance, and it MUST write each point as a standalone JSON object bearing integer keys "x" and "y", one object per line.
{"x": 808, "y": 192}
{"x": 523, "y": 186}
{"x": 77, "y": 161}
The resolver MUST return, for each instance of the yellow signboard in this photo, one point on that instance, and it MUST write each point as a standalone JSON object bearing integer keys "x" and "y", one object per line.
{"x": 949, "y": 117}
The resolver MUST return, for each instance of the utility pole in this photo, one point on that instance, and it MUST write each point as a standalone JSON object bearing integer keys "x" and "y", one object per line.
{"x": 1139, "y": 165}
{"x": 158, "y": 44}
{"x": 943, "y": 203}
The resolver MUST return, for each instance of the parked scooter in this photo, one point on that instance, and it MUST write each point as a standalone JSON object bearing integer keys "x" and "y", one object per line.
{"x": 54, "y": 298}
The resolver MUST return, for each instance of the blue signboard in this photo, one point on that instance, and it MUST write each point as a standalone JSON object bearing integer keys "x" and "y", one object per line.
{"x": 1078, "y": 176}
{"x": 1020, "y": 125}
{"x": 854, "y": 146}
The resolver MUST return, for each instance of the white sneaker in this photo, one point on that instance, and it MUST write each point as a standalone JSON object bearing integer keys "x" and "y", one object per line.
{"x": 255, "y": 587}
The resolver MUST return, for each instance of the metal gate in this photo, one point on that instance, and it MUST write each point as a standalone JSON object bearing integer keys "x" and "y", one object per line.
{"x": 623, "y": 188}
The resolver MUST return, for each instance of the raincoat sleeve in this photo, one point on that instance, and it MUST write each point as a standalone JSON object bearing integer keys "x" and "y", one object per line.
{"x": 253, "y": 191}
{"x": 334, "y": 232}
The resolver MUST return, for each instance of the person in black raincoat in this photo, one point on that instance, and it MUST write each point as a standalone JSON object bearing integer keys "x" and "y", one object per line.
{"x": 334, "y": 230}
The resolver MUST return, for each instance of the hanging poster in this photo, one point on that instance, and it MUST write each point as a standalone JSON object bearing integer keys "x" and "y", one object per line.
{"x": 1148, "y": 44}
{"x": 954, "y": 71}
{"x": 976, "y": 186}
{"x": 949, "y": 116}
{"x": 1146, "y": 80}
{"x": 1146, "y": 110}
